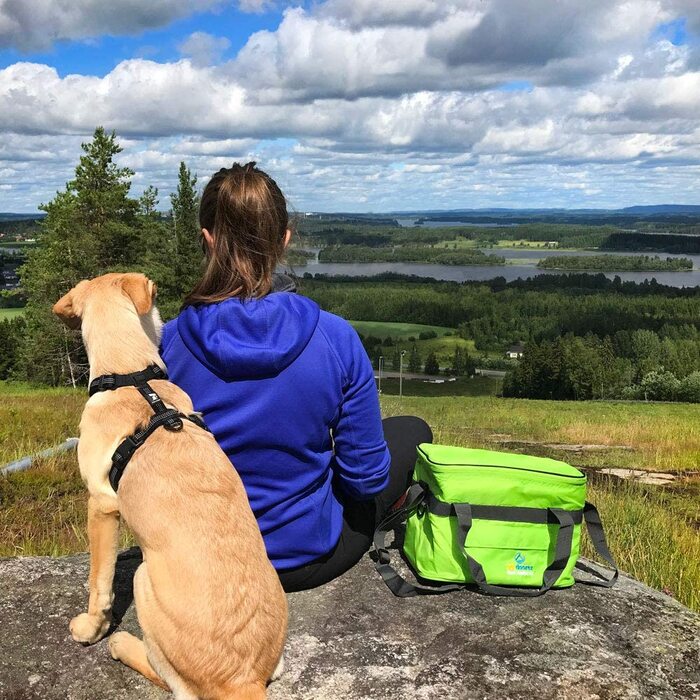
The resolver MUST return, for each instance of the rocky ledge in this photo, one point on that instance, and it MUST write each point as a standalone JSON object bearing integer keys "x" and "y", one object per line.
{"x": 353, "y": 640}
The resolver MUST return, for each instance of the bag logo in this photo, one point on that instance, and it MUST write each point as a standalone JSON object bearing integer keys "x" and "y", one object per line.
{"x": 518, "y": 567}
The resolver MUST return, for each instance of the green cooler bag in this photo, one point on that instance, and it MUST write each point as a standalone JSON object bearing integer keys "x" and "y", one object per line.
{"x": 509, "y": 523}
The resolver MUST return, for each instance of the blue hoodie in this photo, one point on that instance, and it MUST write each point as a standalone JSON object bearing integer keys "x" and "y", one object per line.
{"x": 289, "y": 393}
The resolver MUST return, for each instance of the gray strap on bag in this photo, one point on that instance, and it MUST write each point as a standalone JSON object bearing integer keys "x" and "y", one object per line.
{"x": 597, "y": 535}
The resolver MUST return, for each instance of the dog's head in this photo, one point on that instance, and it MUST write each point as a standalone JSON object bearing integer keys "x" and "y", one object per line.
{"x": 105, "y": 294}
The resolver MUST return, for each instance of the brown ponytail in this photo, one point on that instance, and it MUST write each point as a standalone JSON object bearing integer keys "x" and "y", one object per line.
{"x": 246, "y": 213}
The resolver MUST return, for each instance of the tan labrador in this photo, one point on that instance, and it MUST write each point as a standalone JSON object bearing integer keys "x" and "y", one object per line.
{"x": 211, "y": 607}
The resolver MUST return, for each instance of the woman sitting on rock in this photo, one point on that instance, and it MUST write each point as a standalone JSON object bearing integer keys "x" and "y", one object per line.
{"x": 287, "y": 389}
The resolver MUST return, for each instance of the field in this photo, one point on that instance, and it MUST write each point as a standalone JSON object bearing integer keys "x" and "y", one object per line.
{"x": 10, "y": 313}
{"x": 652, "y": 531}
{"x": 380, "y": 329}
{"x": 443, "y": 346}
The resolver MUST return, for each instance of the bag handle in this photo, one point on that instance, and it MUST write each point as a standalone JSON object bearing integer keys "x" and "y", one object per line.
{"x": 396, "y": 583}
{"x": 597, "y": 535}
{"x": 562, "y": 552}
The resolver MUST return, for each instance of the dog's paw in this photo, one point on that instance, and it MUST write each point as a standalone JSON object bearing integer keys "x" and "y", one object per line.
{"x": 279, "y": 670}
{"x": 116, "y": 642}
{"x": 88, "y": 629}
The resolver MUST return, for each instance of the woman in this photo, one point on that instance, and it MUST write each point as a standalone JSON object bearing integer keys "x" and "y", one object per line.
{"x": 287, "y": 389}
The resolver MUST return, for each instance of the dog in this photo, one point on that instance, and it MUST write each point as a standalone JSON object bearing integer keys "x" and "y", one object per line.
{"x": 211, "y": 607}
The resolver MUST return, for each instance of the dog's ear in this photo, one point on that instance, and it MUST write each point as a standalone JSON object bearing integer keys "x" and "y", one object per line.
{"x": 65, "y": 309}
{"x": 140, "y": 290}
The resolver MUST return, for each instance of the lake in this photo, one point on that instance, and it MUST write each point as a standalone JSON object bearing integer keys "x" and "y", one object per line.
{"x": 521, "y": 265}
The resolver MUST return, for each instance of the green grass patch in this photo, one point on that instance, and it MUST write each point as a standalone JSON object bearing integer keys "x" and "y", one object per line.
{"x": 462, "y": 386}
{"x": 652, "y": 535}
{"x": 380, "y": 329}
{"x": 10, "y": 313}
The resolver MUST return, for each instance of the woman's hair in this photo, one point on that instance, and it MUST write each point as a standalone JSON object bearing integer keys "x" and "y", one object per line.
{"x": 246, "y": 213}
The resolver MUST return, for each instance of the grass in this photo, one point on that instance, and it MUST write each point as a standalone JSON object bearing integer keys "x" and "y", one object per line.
{"x": 663, "y": 436}
{"x": 654, "y": 533}
{"x": 10, "y": 313}
{"x": 463, "y": 386}
{"x": 652, "y": 536}
{"x": 380, "y": 329}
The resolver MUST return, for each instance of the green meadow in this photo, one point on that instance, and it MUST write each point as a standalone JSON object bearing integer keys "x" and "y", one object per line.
{"x": 653, "y": 531}
{"x": 10, "y": 313}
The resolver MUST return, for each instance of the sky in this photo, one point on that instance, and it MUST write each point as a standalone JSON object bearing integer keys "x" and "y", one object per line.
{"x": 361, "y": 105}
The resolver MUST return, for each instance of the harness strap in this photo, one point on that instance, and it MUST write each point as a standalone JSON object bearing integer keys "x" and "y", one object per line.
{"x": 109, "y": 382}
{"x": 169, "y": 418}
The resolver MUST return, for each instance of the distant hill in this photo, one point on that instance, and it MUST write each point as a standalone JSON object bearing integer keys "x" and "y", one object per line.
{"x": 693, "y": 209}
{"x": 11, "y": 216}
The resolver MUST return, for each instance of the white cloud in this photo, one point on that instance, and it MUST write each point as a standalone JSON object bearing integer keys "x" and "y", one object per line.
{"x": 204, "y": 49}
{"x": 38, "y": 24}
{"x": 351, "y": 104}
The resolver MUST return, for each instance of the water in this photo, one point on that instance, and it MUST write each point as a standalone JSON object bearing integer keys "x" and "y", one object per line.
{"x": 409, "y": 223}
{"x": 522, "y": 265}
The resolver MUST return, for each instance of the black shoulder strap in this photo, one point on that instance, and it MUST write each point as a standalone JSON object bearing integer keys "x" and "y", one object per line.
{"x": 597, "y": 535}
{"x": 109, "y": 382}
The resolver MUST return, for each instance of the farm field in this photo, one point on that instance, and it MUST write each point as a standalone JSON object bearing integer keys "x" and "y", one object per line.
{"x": 652, "y": 530}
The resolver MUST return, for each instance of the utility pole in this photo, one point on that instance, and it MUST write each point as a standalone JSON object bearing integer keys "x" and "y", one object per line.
{"x": 379, "y": 363}
{"x": 403, "y": 352}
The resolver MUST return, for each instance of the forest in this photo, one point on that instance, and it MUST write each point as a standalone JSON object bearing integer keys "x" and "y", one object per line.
{"x": 615, "y": 263}
{"x": 407, "y": 253}
{"x": 588, "y": 336}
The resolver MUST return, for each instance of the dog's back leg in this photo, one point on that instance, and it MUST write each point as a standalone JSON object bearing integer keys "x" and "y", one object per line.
{"x": 131, "y": 651}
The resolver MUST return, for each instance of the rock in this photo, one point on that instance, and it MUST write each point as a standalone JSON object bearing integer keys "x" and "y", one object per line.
{"x": 641, "y": 476}
{"x": 352, "y": 640}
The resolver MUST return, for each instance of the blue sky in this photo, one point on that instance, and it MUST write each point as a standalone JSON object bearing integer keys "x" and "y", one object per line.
{"x": 356, "y": 105}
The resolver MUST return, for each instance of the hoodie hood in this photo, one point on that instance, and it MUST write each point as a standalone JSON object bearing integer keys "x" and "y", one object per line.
{"x": 249, "y": 339}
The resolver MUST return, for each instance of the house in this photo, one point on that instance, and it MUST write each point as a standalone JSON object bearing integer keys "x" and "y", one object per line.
{"x": 515, "y": 352}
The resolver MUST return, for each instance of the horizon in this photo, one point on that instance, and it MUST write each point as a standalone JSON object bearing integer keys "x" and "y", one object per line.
{"x": 359, "y": 107}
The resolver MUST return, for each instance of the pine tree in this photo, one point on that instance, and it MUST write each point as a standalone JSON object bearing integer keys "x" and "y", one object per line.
{"x": 90, "y": 228}
{"x": 458, "y": 366}
{"x": 188, "y": 251}
{"x": 431, "y": 364}
{"x": 414, "y": 360}
{"x": 396, "y": 359}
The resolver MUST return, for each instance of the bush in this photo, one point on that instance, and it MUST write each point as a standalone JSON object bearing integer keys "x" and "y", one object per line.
{"x": 689, "y": 389}
{"x": 427, "y": 335}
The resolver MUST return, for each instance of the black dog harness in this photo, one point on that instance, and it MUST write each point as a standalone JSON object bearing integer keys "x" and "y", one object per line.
{"x": 169, "y": 418}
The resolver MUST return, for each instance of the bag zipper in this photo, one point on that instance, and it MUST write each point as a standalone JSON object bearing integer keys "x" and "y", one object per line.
{"x": 502, "y": 466}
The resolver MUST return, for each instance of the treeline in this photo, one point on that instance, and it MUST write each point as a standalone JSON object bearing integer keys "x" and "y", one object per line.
{"x": 92, "y": 227}
{"x": 615, "y": 263}
{"x": 653, "y": 242}
{"x": 420, "y": 254}
{"x": 497, "y": 314}
{"x": 20, "y": 228}
{"x": 629, "y": 365}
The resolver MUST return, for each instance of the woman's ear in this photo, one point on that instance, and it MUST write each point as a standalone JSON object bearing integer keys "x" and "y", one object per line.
{"x": 208, "y": 238}
{"x": 140, "y": 290}
{"x": 65, "y": 310}
{"x": 287, "y": 237}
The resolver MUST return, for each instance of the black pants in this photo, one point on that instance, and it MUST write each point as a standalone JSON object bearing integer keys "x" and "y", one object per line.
{"x": 402, "y": 435}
